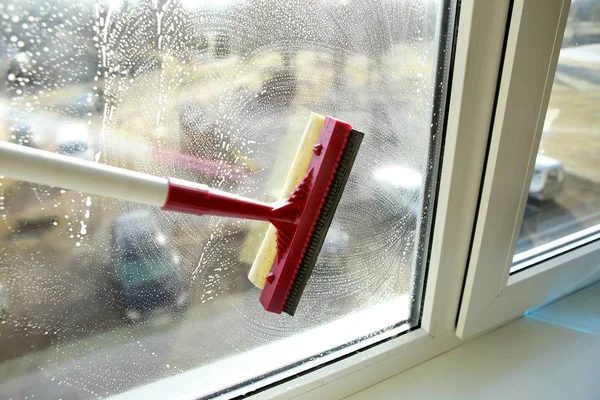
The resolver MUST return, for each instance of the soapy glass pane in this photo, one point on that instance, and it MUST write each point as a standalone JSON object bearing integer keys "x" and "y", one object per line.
{"x": 101, "y": 296}
{"x": 563, "y": 207}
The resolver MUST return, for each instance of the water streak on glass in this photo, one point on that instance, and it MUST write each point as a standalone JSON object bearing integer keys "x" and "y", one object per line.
{"x": 99, "y": 296}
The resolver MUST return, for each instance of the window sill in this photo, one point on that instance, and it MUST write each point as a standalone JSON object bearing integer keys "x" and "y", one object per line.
{"x": 551, "y": 353}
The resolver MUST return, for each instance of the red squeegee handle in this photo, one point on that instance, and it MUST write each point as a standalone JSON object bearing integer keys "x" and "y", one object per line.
{"x": 192, "y": 198}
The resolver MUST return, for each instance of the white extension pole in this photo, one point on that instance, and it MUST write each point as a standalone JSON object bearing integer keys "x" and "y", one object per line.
{"x": 39, "y": 166}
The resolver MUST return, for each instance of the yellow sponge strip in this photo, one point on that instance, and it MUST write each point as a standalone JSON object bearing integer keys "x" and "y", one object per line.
{"x": 268, "y": 249}
{"x": 284, "y": 153}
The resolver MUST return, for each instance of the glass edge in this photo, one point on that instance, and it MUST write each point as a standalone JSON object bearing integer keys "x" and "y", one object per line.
{"x": 441, "y": 101}
{"x": 333, "y": 356}
{"x": 532, "y": 257}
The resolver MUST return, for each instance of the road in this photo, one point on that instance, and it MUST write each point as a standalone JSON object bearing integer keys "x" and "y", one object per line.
{"x": 109, "y": 361}
{"x": 131, "y": 355}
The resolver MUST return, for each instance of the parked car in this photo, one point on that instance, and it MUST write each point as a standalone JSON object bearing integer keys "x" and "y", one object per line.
{"x": 74, "y": 141}
{"x": 3, "y": 302}
{"x": 548, "y": 178}
{"x": 145, "y": 268}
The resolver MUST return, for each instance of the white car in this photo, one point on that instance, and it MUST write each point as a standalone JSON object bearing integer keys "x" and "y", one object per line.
{"x": 548, "y": 178}
{"x": 74, "y": 141}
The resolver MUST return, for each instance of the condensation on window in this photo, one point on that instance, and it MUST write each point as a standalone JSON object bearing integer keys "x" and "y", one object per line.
{"x": 99, "y": 296}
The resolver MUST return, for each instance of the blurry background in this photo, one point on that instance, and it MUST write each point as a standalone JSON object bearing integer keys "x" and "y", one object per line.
{"x": 99, "y": 296}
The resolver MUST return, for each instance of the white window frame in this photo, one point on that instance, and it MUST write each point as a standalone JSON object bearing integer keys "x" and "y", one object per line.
{"x": 493, "y": 296}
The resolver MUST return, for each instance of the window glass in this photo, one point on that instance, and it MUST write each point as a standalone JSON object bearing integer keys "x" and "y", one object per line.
{"x": 99, "y": 297}
{"x": 563, "y": 208}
